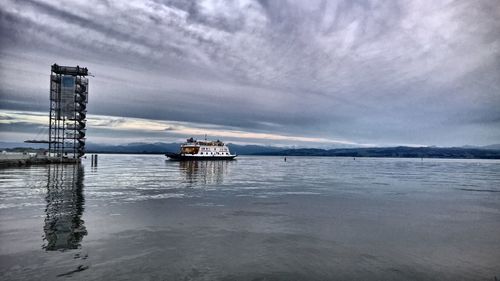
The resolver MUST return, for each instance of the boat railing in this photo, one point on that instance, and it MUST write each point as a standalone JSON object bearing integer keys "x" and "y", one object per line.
{"x": 203, "y": 144}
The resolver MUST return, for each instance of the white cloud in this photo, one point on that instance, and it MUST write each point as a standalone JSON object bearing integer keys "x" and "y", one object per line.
{"x": 152, "y": 130}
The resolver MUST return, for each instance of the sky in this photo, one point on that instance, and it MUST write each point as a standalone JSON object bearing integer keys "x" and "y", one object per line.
{"x": 289, "y": 73}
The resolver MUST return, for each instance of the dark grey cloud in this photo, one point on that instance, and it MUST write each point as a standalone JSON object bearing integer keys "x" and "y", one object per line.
{"x": 382, "y": 72}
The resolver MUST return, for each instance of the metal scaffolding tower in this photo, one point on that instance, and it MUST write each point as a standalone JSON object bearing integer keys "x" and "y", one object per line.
{"x": 68, "y": 111}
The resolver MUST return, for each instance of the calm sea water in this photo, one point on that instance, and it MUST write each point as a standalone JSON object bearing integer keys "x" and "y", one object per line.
{"x": 136, "y": 217}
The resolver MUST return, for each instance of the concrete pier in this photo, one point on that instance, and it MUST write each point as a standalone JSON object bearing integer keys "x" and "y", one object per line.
{"x": 12, "y": 159}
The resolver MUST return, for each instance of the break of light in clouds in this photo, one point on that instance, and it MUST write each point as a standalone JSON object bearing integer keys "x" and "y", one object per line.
{"x": 327, "y": 72}
{"x": 126, "y": 129}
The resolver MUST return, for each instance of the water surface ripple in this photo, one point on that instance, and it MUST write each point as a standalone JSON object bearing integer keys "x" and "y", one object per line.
{"x": 139, "y": 217}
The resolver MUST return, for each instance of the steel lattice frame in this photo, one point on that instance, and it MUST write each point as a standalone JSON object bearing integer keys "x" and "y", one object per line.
{"x": 68, "y": 117}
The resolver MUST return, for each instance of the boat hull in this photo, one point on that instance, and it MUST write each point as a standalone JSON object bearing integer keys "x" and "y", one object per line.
{"x": 180, "y": 157}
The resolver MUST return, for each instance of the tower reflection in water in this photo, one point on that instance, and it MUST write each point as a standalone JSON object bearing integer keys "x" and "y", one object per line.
{"x": 64, "y": 229}
{"x": 205, "y": 172}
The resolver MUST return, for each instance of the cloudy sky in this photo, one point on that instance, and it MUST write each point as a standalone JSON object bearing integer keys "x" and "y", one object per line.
{"x": 305, "y": 73}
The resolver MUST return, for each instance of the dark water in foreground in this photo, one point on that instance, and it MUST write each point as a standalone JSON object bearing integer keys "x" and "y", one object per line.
{"x": 258, "y": 218}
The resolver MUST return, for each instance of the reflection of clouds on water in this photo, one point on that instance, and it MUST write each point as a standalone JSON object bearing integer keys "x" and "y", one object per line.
{"x": 205, "y": 172}
{"x": 64, "y": 229}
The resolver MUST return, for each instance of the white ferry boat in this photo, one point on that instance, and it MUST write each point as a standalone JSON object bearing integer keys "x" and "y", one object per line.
{"x": 202, "y": 150}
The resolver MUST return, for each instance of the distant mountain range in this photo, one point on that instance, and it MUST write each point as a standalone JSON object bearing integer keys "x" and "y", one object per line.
{"x": 400, "y": 151}
{"x": 492, "y": 146}
{"x": 160, "y": 147}
{"x": 485, "y": 152}
{"x": 145, "y": 148}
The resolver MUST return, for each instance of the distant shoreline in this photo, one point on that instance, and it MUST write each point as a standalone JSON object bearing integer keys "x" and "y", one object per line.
{"x": 332, "y": 156}
{"x": 372, "y": 152}
{"x": 395, "y": 152}
{"x": 495, "y": 157}
{"x": 375, "y": 152}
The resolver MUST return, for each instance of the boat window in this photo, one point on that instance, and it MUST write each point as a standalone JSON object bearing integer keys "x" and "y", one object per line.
{"x": 190, "y": 150}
